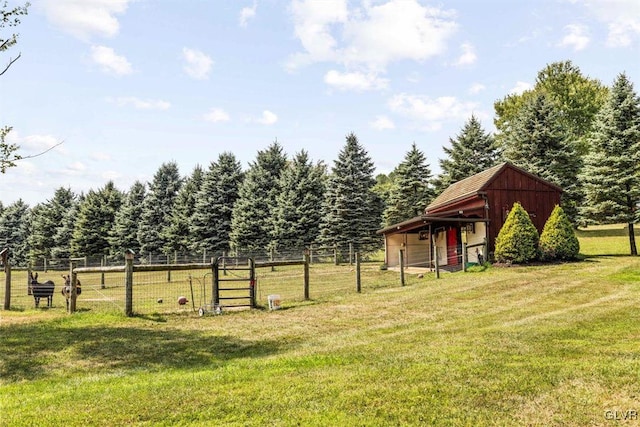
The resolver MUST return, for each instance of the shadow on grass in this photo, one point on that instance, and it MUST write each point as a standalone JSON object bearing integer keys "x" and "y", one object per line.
{"x": 33, "y": 351}
{"x": 621, "y": 231}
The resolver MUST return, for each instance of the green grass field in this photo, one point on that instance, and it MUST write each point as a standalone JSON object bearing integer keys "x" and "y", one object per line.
{"x": 538, "y": 345}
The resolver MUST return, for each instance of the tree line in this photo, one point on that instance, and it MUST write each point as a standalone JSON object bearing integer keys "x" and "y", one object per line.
{"x": 568, "y": 129}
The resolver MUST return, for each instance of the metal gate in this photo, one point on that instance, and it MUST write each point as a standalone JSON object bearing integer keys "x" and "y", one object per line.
{"x": 234, "y": 282}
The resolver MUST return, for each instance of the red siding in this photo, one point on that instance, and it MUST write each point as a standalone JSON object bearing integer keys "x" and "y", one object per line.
{"x": 510, "y": 186}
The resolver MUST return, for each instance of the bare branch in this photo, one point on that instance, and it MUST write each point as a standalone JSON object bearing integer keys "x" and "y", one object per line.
{"x": 11, "y": 61}
{"x": 41, "y": 153}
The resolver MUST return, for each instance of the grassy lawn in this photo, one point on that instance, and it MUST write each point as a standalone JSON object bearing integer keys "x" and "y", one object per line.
{"x": 538, "y": 345}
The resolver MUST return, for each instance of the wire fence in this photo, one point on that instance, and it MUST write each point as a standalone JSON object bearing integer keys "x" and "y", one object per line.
{"x": 331, "y": 271}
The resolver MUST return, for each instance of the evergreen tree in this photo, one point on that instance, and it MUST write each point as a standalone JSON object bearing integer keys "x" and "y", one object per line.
{"x": 124, "y": 234}
{"x": 47, "y": 218}
{"x": 251, "y": 223}
{"x": 558, "y": 240}
{"x": 537, "y": 143}
{"x": 211, "y": 222}
{"x": 612, "y": 169}
{"x": 411, "y": 190}
{"x": 296, "y": 216}
{"x": 95, "y": 220}
{"x": 518, "y": 238}
{"x": 177, "y": 235}
{"x": 14, "y": 231}
{"x": 64, "y": 232}
{"x": 157, "y": 208}
{"x": 352, "y": 212}
{"x": 471, "y": 152}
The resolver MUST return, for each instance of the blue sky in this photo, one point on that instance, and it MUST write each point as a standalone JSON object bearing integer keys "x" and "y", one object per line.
{"x": 131, "y": 84}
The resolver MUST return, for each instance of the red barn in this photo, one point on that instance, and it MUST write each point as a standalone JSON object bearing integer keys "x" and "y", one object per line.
{"x": 471, "y": 211}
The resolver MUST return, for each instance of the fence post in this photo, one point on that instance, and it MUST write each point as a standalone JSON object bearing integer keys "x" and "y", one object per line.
{"x": 311, "y": 253}
{"x": 103, "y": 263}
{"x": 73, "y": 292}
{"x": 4, "y": 254}
{"x": 350, "y": 253}
{"x": 45, "y": 264}
{"x": 335, "y": 254}
{"x": 401, "y": 257}
{"x": 128, "y": 282}
{"x": 358, "y": 278}
{"x": 464, "y": 257}
{"x": 271, "y": 255}
{"x": 437, "y": 262}
{"x": 168, "y": 269}
{"x": 306, "y": 275}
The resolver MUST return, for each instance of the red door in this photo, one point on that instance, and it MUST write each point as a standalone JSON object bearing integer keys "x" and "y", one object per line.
{"x": 452, "y": 246}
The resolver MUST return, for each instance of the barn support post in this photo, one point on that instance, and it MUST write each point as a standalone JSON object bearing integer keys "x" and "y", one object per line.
{"x": 307, "y": 256}
{"x": 437, "y": 262}
{"x": 4, "y": 255}
{"x": 401, "y": 259}
{"x": 73, "y": 293}
{"x": 358, "y": 277}
{"x": 128, "y": 283}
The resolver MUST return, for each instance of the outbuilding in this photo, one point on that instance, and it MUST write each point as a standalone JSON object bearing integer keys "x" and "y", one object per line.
{"x": 471, "y": 211}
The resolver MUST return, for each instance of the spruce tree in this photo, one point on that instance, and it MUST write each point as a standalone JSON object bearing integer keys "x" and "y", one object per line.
{"x": 157, "y": 208}
{"x": 352, "y": 211}
{"x": 251, "y": 224}
{"x": 47, "y": 218}
{"x": 537, "y": 143}
{"x": 96, "y": 217}
{"x": 296, "y": 216}
{"x": 14, "y": 231}
{"x": 124, "y": 234}
{"x": 411, "y": 189}
{"x": 211, "y": 221}
{"x": 611, "y": 174}
{"x": 558, "y": 240}
{"x": 471, "y": 152}
{"x": 64, "y": 232}
{"x": 177, "y": 234}
{"x": 517, "y": 240}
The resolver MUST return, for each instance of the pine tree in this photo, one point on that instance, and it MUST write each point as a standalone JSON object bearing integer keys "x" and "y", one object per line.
{"x": 558, "y": 240}
{"x": 64, "y": 232}
{"x": 211, "y": 222}
{"x": 95, "y": 219}
{"x": 612, "y": 169}
{"x": 296, "y": 216}
{"x": 47, "y": 218}
{"x": 14, "y": 231}
{"x": 537, "y": 143}
{"x": 411, "y": 190}
{"x": 177, "y": 234}
{"x": 518, "y": 238}
{"x": 251, "y": 224}
{"x": 352, "y": 211}
{"x": 471, "y": 152}
{"x": 157, "y": 208}
{"x": 124, "y": 234}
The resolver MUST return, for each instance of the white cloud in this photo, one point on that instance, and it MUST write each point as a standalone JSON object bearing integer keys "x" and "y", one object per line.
{"x": 141, "y": 104}
{"x": 85, "y": 18}
{"x": 100, "y": 156}
{"x": 520, "y": 87}
{"x": 111, "y": 175}
{"x": 31, "y": 145}
{"x": 622, "y": 17}
{"x": 575, "y": 37}
{"x": 75, "y": 168}
{"x": 382, "y": 123}
{"x": 468, "y": 56}
{"x": 371, "y": 36}
{"x": 109, "y": 61}
{"x": 247, "y": 13}
{"x": 216, "y": 115}
{"x": 432, "y": 112}
{"x": 198, "y": 63}
{"x": 355, "y": 81}
{"x": 268, "y": 118}
{"x": 476, "y": 88}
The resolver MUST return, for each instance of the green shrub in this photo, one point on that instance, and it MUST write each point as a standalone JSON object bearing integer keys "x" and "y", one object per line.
{"x": 517, "y": 241}
{"x": 558, "y": 240}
